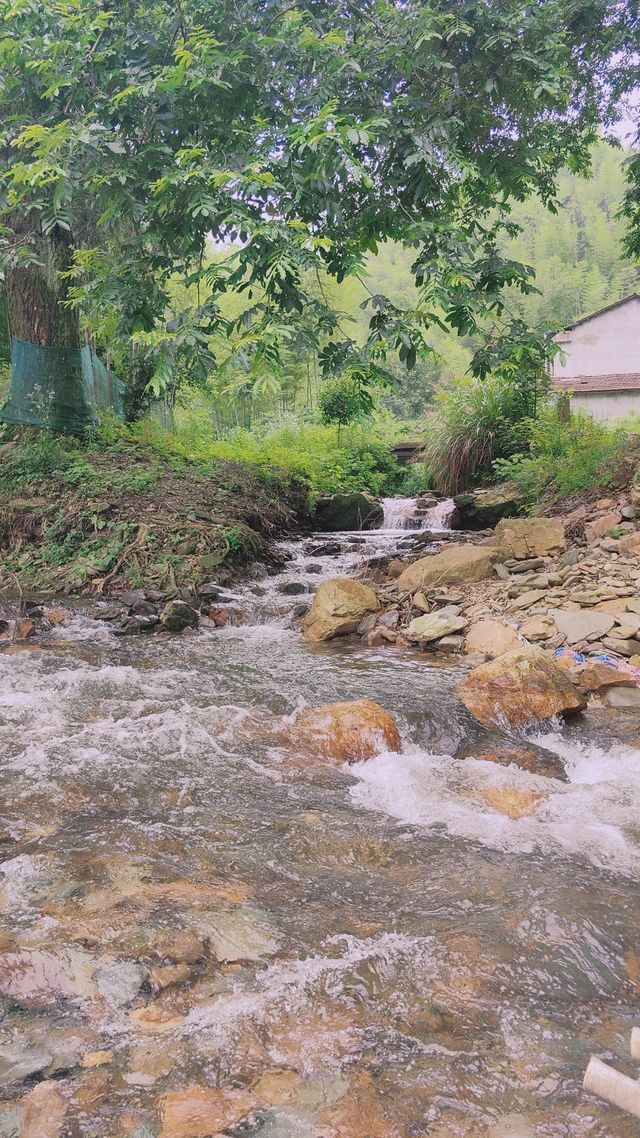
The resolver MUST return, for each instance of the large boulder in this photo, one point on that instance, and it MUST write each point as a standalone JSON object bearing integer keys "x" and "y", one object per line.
{"x": 345, "y": 732}
{"x": 337, "y": 609}
{"x": 530, "y": 537}
{"x": 483, "y": 509}
{"x": 457, "y": 563}
{"x": 519, "y": 687}
{"x": 347, "y": 512}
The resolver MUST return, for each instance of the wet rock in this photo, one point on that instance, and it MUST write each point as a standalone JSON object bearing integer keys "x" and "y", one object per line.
{"x": 519, "y": 687}
{"x": 483, "y": 509}
{"x": 292, "y": 588}
{"x": 202, "y": 1112}
{"x": 132, "y": 596}
{"x": 300, "y": 610}
{"x": 119, "y": 983}
{"x": 178, "y": 615}
{"x": 581, "y": 625}
{"x": 144, "y": 608}
{"x": 38, "y": 979}
{"x": 337, "y": 609}
{"x": 44, "y": 1110}
{"x": 513, "y": 801}
{"x": 19, "y": 1059}
{"x": 395, "y": 567}
{"x": 346, "y": 732}
{"x": 491, "y": 638}
{"x": 244, "y": 934}
{"x": 457, "y": 564}
{"x": 92, "y": 1059}
{"x": 135, "y": 625}
{"x": 434, "y": 625}
{"x": 221, "y": 616}
{"x": 107, "y": 612}
{"x": 529, "y": 759}
{"x": 210, "y": 591}
{"x": 348, "y": 512}
{"x": 524, "y": 538}
{"x": 313, "y": 568}
{"x": 56, "y": 614}
{"x": 325, "y": 549}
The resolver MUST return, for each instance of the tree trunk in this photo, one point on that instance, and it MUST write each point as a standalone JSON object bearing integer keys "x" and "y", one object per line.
{"x": 36, "y": 298}
{"x": 52, "y": 383}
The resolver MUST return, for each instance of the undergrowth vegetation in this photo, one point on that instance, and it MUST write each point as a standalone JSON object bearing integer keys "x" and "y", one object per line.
{"x": 359, "y": 458}
{"x": 564, "y": 457}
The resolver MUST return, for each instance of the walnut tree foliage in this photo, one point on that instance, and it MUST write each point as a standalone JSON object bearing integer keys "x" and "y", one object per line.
{"x": 299, "y": 136}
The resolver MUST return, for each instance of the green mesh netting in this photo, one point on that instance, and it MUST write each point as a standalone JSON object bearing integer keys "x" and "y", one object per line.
{"x": 59, "y": 388}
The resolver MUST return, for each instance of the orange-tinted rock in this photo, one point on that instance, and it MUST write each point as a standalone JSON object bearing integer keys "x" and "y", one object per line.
{"x": 596, "y": 677}
{"x": 202, "y": 1112}
{"x": 491, "y": 637}
{"x": 44, "y": 1111}
{"x": 226, "y": 615}
{"x": 513, "y": 801}
{"x": 346, "y": 732}
{"x": 525, "y": 758}
{"x": 57, "y": 614}
{"x": 519, "y": 688}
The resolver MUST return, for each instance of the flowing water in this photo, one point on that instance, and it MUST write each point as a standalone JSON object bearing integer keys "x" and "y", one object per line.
{"x": 372, "y": 952}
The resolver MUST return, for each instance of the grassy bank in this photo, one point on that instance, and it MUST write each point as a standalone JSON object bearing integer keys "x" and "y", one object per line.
{"x": 116, "y": 513}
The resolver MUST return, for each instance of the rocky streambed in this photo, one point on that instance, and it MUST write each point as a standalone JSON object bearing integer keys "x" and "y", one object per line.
{"x": 255, "y": 882}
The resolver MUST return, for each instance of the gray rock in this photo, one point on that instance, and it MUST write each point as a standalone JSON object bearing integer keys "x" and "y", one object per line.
{"x": 177, "y": 615}
{"x": 210, "y": 590}
{"x": 622, "y": 647}
{"x": 525, "y": 566}
{"x": 433, "y": 626}
{"x": 119, "y": 983}
{"x": 292, "y": 588}
{"x": 623, "y": 698}
{"x": 579, "y": 625}
{"x": 19, "y": 1059}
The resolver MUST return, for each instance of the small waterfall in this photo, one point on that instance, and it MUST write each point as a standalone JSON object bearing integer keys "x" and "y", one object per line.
{"x": 400, "y": 513}
{"x": 407, "y": 514}
{"x": 438, "y": 518}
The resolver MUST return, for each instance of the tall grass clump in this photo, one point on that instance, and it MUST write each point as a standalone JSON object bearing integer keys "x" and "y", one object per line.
{"x": 475, "y": 423}
{"x": 565, "y": 456}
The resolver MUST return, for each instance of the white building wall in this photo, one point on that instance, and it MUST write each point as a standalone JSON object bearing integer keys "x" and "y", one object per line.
{"x": 606, "y": 344}
{"x": 607, "y": 406}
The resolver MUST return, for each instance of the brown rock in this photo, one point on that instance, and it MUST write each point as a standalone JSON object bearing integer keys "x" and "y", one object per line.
{"x": 518, "y": 688}
{"x": 456, "y": 564}
{"x": 630, "y": 543}
{"x": 338, "y": 607}
{"x": 44, "y": 1111}
{"x": 537, "y": 628}
{"x": 599, "y": 526}
{"x": 596, "y": 677}
{"x": 396, "y": 567}
{"x": 57, "y": 614}
{"x": 202, "y": 1112}
{"x": 224, "y": 615}
{"x": 513, "y": 801}
{"x": 491, "y": 638}
{"x": 530, "y": 537}
{"x": 346, "y": 732}
{"x": 525, "y": 758}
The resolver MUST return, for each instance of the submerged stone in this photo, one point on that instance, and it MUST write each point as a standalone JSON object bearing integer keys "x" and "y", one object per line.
{"x": 346, "y": 732}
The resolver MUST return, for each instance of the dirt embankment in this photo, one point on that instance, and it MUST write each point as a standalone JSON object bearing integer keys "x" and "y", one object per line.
{"x": 79, "y": 520}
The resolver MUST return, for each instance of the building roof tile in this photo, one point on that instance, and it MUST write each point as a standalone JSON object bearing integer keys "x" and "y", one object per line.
{"x": 625, "y": 381}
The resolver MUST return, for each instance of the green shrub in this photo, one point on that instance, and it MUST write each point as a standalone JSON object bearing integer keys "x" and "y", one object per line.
{"x": 475, "y": 423}
{"x": 361, "y": 460}
{"x": 416, "y": 479}
{"x": 564, "y": 457}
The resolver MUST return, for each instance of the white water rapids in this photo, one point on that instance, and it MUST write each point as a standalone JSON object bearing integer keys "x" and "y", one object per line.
{"x": 380, "y": 953}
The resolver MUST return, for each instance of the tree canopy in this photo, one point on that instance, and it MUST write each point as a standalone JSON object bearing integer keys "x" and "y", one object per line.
{"x": 299, "y": 136}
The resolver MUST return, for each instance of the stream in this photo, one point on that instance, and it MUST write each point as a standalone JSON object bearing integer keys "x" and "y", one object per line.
{"x": 371, "y": 952}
